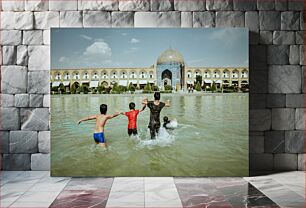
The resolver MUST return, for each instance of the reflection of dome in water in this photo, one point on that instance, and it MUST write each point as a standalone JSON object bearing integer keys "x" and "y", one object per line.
{"x": 170, "y": 56}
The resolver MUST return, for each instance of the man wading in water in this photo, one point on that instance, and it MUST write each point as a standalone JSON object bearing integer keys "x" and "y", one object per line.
{"x": 155, "y": 108}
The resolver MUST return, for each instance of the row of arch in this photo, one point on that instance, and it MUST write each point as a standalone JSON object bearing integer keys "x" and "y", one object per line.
{"x": 218, "y": 74}
{"x": 95, "y": 75}
{"x": 102, "y": 83}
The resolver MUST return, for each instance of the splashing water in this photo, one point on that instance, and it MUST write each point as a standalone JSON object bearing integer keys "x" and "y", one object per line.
{"x": 163, "y": 138}
{"x": 173, "y": 124}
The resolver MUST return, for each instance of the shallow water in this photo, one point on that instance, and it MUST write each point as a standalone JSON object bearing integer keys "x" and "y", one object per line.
{"x": 211, "y": 138}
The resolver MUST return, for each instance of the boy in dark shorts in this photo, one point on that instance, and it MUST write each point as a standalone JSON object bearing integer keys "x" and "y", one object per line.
{"x": 101, "y": 120}
{"x": 132, "y": 118}
{"x": 155, "y": 108}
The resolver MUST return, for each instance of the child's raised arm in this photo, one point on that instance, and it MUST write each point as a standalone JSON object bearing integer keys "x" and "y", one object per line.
{"x": 145, "y": 101}
{"x": 167, "y": 104}
{"x": 143, "y": 107}
{"x": 113, "y": 116}
{"x": 87, "y": 118}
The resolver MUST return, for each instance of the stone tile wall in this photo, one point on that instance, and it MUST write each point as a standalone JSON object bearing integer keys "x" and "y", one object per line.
{"x": 277, "y": 125}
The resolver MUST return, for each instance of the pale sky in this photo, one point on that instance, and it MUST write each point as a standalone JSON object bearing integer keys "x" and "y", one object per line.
{"x": 140, "y": 47}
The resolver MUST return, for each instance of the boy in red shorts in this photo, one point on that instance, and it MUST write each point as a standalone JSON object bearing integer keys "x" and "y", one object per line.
{"x": 132, "y": 117}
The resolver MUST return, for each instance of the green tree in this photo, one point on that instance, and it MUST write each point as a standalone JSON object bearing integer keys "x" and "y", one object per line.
{"x": 213, "y": 87}
{"x": 168, "y": 88}
{"x": 131, "y": 87}
{"x": 79, "y": 89}
{"x": 101, "y": 89}
{"x": 198, "y": 87}
{"x": 155, "y": 88}
{"x": 115, "y": 88}
{"x": 122, "y": 88}
{"x": 198, "y": 79}
{"x": 148, "y": 87}
{"x": 55, "y": 89}
{"x": 85, "y": 89}
{"x": 73, "y": 88}
{"x": 61, "y": 88}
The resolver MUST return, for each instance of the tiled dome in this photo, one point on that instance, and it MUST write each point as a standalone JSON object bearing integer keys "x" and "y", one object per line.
{"x": 170, "y": 56}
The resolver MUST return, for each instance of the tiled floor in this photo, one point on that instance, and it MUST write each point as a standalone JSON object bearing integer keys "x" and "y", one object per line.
{"x": 38, "y": 189}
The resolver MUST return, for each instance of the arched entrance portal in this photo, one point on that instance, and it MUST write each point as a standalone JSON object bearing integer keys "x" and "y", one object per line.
{"x": 166, "y": 78}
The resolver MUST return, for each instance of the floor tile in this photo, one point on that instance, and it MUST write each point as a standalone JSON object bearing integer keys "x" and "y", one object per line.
{"x": 35, "y": 199}
{"x": 50, "y": 184}
{"x": 221, "y": 192}
{"x": 10, "y": 174}
{"x": 295, "y": 181}
{"x": 163, "y": 198}
{"x": 195, "y": 189}
{"x": 39, "y": 196}
{"x": 157, "y": 185}
{"x": 201, "y": 195}
{"x": 8, "y": 199}
{"x": 30, "y": 205}
{"x": 13, "y": 190}
{"x": 16, "y": 187}
{"x": 32, "y": 175}
{"x": 84, "y": 192}
{"x": 193, "y": 180}
{"x": 89, "y": 184}
{"x": 277, "y": 192}
{"x": 81, "y": 198}
{"x": 128, "y": 184}
{"x": 7, "y": 176}
{"x": 125, "y": 199}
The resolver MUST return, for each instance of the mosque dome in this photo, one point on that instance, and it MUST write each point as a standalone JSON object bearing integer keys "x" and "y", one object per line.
{"x": 170, "y": 56}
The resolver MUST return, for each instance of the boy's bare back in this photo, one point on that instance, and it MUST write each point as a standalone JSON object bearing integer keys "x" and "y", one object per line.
{"x": 100, "y": 122}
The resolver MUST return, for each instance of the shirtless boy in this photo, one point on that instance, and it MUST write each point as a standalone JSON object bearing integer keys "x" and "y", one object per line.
{"x": 100, "y": 123}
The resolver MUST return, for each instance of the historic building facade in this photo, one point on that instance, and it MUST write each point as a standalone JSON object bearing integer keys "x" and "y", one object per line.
{"x": 169, "y": 69}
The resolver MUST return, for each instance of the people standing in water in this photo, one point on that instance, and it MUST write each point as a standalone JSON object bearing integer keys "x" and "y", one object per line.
{"x": 132, "y": 118}
{"x": 101, "y": 120}
{"x": 155, "y": 108}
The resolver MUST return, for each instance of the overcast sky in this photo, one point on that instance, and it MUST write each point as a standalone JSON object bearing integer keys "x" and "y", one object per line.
{"x": 110, "y": 47}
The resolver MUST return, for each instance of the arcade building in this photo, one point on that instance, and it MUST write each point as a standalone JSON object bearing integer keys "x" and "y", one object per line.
{"x": 169, "y": 69}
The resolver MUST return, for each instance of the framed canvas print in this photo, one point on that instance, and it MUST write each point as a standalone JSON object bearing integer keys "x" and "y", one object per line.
{"x": 149, "y": 102}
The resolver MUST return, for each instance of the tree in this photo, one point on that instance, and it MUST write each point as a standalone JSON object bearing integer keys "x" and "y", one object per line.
{"x": 101, "y": 89}
{"x": 198, "y": 87}
{"x": 55, "y": 89}
{"x": 79, "y": 89}
{"x": 115, "y": 88}
{"x": 168, "y": 88}
{"x": 73, "y": 88}
{"x": 131, "y": 87}
{"x": 213, "y": 87}
{"x": 199, "y": 79}
{"x": 61, "y": 88}
{"x": 155, "y": 88}
{"x": 122, "y": 88}
{"x": 148, "y": 87}
{"x": 85, "y": 89}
